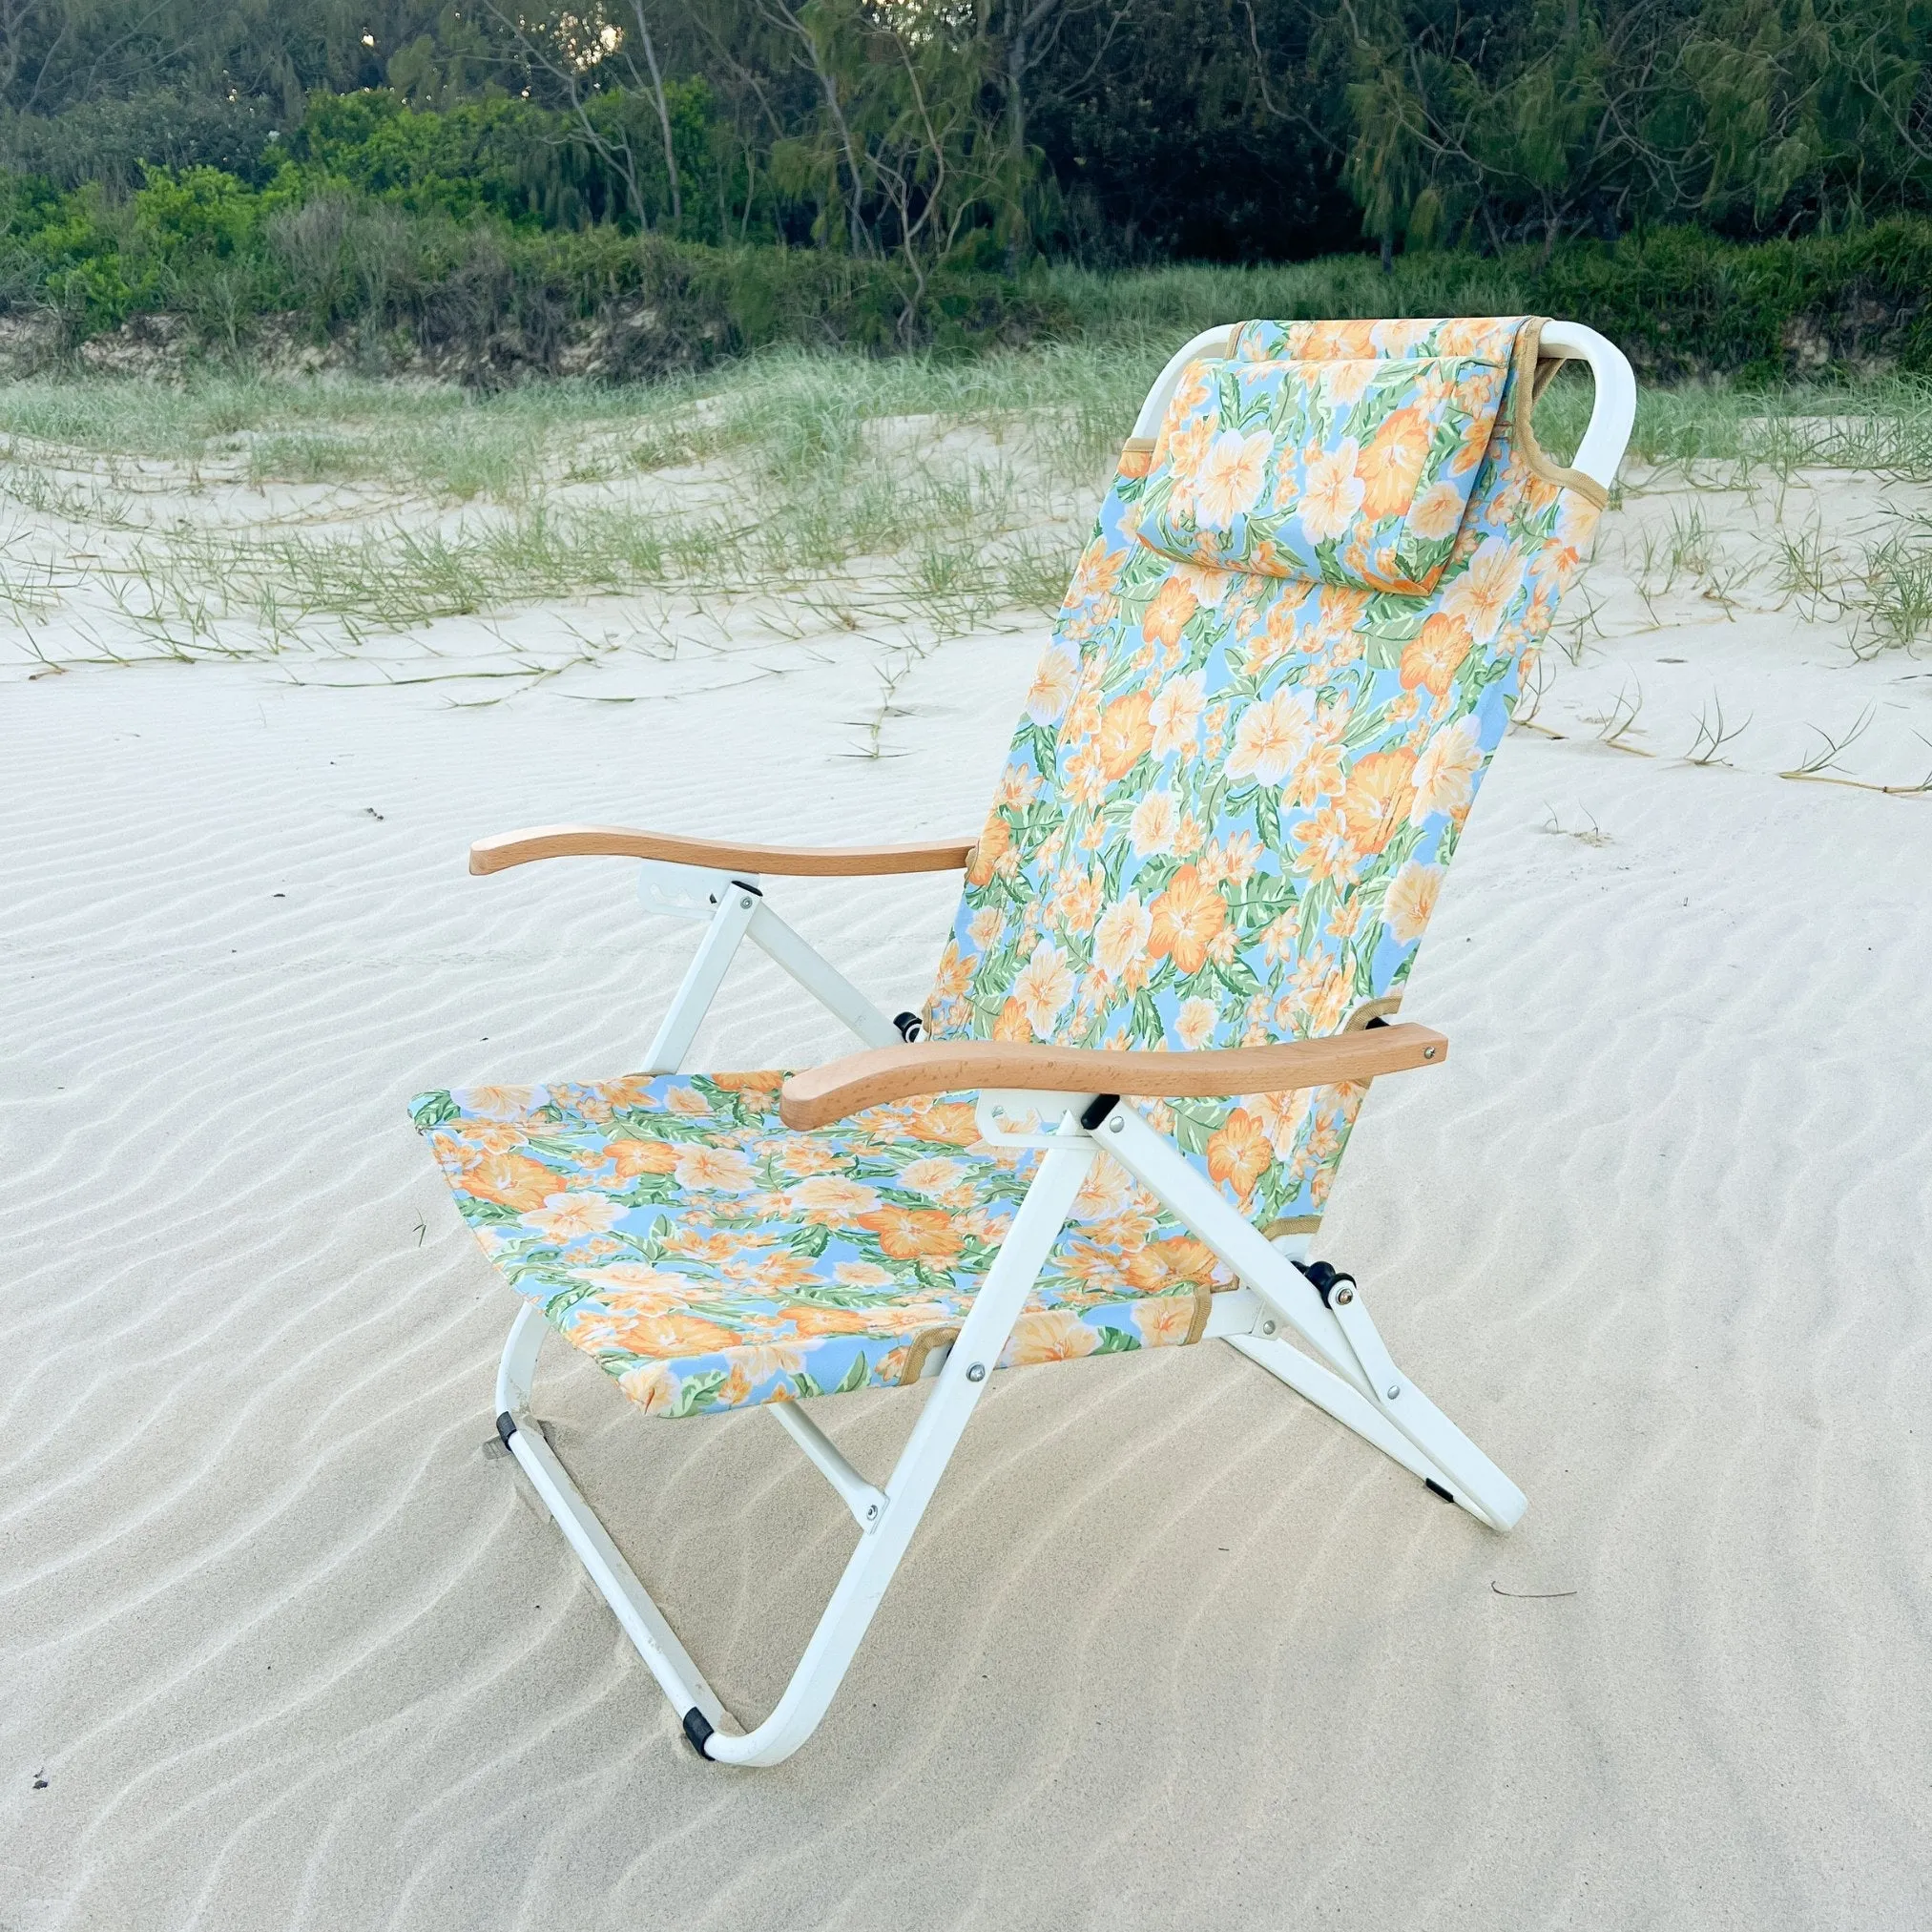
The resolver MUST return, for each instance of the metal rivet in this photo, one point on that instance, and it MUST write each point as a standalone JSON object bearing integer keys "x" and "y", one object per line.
{"x": 872, "y": 1514}
{"x": 1395, "y": 1388}
{"x": 1114, "y": 1125}
{"x": 977, "y": 1372}
{"x": 1267, "y": 1328}
{"x": 745, "y": 904}
{"x": 1345, "y": 1296}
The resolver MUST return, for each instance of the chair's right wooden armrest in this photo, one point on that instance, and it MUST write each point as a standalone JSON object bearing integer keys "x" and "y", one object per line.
{"x": 823, "y": 1094}
{"x": 718, "y": 855}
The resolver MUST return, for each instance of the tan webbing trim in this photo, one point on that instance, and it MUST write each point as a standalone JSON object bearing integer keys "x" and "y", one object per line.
{"x": 1295, "y": 1224}
{"x": 1382, "y": 1008}
{"x": 923, "y": 1345}
{"x": 1527, "y": 389}
{"x": 1204, "y": 1306}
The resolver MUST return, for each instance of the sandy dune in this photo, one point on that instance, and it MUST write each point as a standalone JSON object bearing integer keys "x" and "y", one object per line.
{"x": 287, "y": 1643}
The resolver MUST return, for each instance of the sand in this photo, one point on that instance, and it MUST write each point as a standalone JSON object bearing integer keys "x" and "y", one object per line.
{"x": 287, "y": 1644}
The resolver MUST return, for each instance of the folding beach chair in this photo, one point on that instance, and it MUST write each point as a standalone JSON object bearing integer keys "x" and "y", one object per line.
{"x": 1246, "y": 759}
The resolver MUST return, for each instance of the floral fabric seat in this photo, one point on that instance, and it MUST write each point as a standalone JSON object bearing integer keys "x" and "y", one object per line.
{"x": 709, "y": 1256}
{"x": 1244, "y": 764}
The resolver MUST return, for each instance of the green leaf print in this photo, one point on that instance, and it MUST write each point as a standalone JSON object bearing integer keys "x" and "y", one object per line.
{"x": 433, "y": 1110}
{"x": 699, "y": 1391}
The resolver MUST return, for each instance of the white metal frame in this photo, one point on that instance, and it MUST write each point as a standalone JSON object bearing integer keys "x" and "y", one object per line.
{"x": 1341, "y": 1362}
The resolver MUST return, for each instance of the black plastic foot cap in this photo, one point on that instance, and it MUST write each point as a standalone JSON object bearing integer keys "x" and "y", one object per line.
{"x": 506, "y": 1426}
{"x": 1430, "y": 1484}
{"x": 698, "y": 1729}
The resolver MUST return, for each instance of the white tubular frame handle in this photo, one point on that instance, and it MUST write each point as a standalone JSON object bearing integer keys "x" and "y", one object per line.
{"x": 1615, "y": 413}
{"x": 1603, "y": 444}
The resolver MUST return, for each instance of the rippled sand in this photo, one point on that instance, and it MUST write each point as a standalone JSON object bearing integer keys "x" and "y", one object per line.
{"x": 287, "y": 1643}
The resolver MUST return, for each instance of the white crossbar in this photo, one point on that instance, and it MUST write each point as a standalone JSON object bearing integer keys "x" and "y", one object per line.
{"x": 867, "y": 1504}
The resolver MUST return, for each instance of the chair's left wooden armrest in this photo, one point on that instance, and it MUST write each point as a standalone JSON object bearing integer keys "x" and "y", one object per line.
{"x": 823, "y": 1094}
{"x": 720, "y": 855}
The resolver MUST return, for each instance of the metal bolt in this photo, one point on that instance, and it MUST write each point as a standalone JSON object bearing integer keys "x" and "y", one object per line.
{"x": 1114, "y": 1125}
{"x": 1428, "y": 1052}
{"x": 977, "y": 1372}
{"x": 1267, "y": 1328}
{"x": 1345, "y": 1296}
{"x": 744, "y": 902}
{"x": 1395, "y": 1388}
{"x": 872, "y": 1512}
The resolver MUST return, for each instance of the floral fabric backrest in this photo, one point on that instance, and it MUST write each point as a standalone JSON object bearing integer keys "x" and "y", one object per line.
{"x": 1228, "y": 808}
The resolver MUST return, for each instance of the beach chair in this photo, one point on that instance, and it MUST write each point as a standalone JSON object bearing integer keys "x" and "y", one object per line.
{"x": 1245, "y": 760}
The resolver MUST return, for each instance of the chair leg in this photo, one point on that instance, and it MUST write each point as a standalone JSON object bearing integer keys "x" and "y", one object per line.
{"x": 955, "y": 1394}
{"x": 1354, "y": 1379}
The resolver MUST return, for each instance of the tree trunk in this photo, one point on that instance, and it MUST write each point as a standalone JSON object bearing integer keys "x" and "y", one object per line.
{"x": 663, "y": 116}
{"x": 1019, "y": 239}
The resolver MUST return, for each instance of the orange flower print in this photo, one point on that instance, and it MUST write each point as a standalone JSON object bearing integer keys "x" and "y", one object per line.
{"x": 1154, "y": 825}
{"x": 1238, "y": 1154}
{"x": 1481, "y": 595}
{"x": 1095, "y": 574}
{"x": 1438, "y": 513}
{"x": 809, "y": 1320}
{"x": 1164, "y": 1319}
{"x": 1049, "y": 1335}
{"x": 1280, "y": 1116}
{"x": 1126, "y": 733}
{"x": 1331, "y": 492}
{"x": 1435, "y": 654}
{"x": 1076, "y": 903}
{"x": 1195, "y": 1022}
{"x": 1391, "y": 467}
{"x": 667, "y": 1337}
{"x": 566, "y": 1217}
{"x": 1446, "y": 773}
{"x": 511, "y": 1180}
{"x": 1184, "y": 922}
{"x": 1166, "y": 617}
{"x": 1121, "y": 936}
{"x": 755, "y": 1364}
{"x": 1087, "y": 775}
{"x": 953, "y": 1121}
{"x": 1228, "y": 482}
{"x": 954, "y": 975}
{"x": 1271, "y": 738}
{"x": 1176, "y": 715}
{"x": 1411, "y": 901}
{"x": 1164, "y": 1264}
{"x": 913, "y": 1234}
{"x": 1044, "y": 985}
{"x": 985, "y": 855}
{"x": 499, "y": 1102}
{"x": 652, "y": 1386}
{"x": 831, "y": 1199}
{"x": 1343, "y": 383}
{"x": 633, "y": 1157}
{"x": 1053, "y": 685}
{"x": 1327, "y": 852}
{"x": 713, "y": 1170}
{"x": 1379, "y": 790}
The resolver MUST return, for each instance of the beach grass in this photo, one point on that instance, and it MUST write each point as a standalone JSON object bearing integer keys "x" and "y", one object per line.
{"x": 951, "y": 489}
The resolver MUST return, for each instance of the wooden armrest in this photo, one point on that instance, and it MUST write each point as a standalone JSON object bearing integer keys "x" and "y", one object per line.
{"x": 614, "y": 842}
{"x": 823, "y": 1094}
